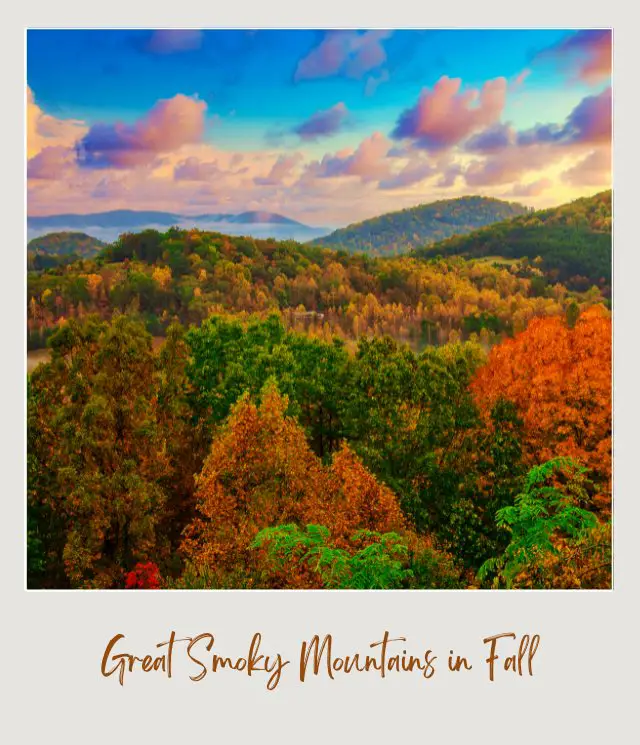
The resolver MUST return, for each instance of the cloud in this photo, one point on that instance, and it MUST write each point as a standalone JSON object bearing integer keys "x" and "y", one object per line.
{"x": 193, "y": 169}
{"x": 44, "y": 130}
{"x": 110, "y": 188}
{"x": 368, "y": 161}
{"x": 281, "y": 169}
{"x": 588, "y": 123}
{"x": 322, "y": 123}
{"x": 519, "y": 79}
{"x": 594, "y": 170}
{"x": 449, "y": 176}
{"x": 170, "y": 41}
{"x": 375, "y": 81}
{"x": 348, "y": 53}
{"x": 52, "y": 162}
{"x": 445, "y": 116}
{"x": 412, "y": 173}
{"x": 533, "y": 189}
{"x": 511, "y": 164}
{"x": 496, "y": 137}
{"x": 509, "y": 154}
{"x": 585, "y": 54}
{"x": 170, "y": 124}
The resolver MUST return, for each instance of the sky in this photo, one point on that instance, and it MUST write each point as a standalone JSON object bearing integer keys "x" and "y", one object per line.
{"x": 325, "y": 127}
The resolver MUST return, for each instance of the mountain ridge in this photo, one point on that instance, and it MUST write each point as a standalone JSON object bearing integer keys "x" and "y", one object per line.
{"x": 571, "y": 243}
{"x": 139, "y": 218}
{"x": 402, "y": 230}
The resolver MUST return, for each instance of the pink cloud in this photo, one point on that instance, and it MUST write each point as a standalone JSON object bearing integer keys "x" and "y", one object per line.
{"x": 194, "y": 169}
{"x": 169, "y": 41}
{"x": 281, "y": 169}
{"x": 511, "y": 154}
{"x": 349, "y": 53}
{"x": 445, "y": 116}
{"x": 594, "y": 170}
{"x": 44, "y": 130}
{"x": 587, "y": 54}
{"x": 51, "y": 163}
{"x": 323, "y": 123}
{"x": 368, "y": 161}
{"x": 520, "y": 78}
{"x": 534, "y": 189}
{"x": 412, "y": 173}
{"x": 170, "y": 124}
{"x": 588, "y": 123}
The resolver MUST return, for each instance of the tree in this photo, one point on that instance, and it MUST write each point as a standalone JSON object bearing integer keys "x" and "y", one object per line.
{"x": 99, "y": 461}
{"x": 554, "y": 540}
{"x": 261, "y": 473}
{"x": 560, "y": 382}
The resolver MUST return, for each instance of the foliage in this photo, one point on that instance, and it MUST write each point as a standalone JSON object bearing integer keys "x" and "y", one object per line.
{"x": 549, "y": 530}
{"x": 378, "y": 565}
{"x": 261, "y": 472}
{"x": 100, "y": 466}
{"x": 55, "y": 249}
{"x": 559, "y": 379}
{"x": 143, "y": 577}
{"x": 571, "y": 244}
{"x": 189, "y": 275}
{"x": 398, "y": 232}
{"x": 180, "y": 454}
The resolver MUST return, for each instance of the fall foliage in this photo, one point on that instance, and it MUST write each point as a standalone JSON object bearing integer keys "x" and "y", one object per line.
{"x": 559, "y": 378}
{"x": 223, "y": 412}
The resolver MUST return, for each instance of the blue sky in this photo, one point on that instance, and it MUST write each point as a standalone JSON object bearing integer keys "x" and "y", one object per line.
{"x": 257, "y": 98}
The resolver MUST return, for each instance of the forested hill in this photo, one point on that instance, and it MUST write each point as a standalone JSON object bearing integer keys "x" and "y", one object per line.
{"x": 399, "y": 232}
{"x": 570, "y": 244}
{"x": 61, "y": 248}
{"x": 190, "y": 275}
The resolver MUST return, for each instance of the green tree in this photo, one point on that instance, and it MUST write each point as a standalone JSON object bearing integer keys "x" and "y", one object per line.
{"x": 553, "y": 538}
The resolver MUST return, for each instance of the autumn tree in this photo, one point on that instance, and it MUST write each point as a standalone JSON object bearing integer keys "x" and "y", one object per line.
{"x": 260, "y": 473}
{"x": 559, "y": 379}
{"x": 98, "y": 458}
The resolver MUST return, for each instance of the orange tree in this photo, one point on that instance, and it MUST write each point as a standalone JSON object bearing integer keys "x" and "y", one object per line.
{"x": 559, "y": 379}
{"x": 261, "y": 472}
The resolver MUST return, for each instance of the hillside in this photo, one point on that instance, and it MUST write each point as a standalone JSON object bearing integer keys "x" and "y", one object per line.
{"x": 61, "y": 248}
{"x": 399, "y": 232}
{"x": 188, "y": 275}
{"x": 569, "y": 244}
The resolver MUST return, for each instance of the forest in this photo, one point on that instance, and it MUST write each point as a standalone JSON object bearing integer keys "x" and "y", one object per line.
{"x": 190, "y": 275}
{"x": 572, "y": 243}
{"x": 54, "y": 249}
{"x": 399, "y": 232}
{"x": 225, "y": 412}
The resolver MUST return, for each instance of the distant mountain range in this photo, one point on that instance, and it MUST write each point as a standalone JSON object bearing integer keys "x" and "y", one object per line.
{"x": 107, "y": 226}
{"x": 138, "y": 219}
{"x": 399, "y": 232}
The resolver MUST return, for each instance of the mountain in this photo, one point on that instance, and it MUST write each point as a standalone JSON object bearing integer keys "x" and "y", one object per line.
{"x": 256, "y": 218}
{"x": 109, "y": 225}
{"x": 570, "y": 244}
{"x": 399, "y": 232}
{"x": 65, "y": 244}
{"x": 141, "y": 219}
{"x": 119, "y": 218}
{"x": 61, "y": 248}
